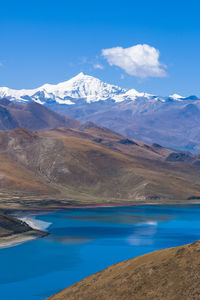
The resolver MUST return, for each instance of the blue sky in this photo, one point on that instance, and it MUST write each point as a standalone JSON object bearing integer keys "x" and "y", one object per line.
{"x": 51, "y": 41}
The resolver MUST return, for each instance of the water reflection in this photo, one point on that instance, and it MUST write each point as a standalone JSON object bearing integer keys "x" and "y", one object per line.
{"x": 69, "y": 239}
{"x": 143, "y": 236}
{"x": 129, "y": 219}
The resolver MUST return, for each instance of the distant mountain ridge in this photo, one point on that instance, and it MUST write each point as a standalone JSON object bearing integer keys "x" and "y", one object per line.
{"x": 171, "y": 121}
{"x": 85, "y": 87}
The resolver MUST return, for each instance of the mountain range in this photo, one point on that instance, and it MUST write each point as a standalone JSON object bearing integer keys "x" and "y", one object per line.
{"x": 91, "y": 165}
{"x": 82, "y": 87}
{"x": 171, "y": 121}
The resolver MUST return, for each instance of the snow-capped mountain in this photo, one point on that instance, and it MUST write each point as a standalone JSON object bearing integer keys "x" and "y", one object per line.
{"x": 176, "y": 97}
{"x": 84, "y": 87}
{"x": 68, "y": 92}
{"x": 171, "y": 121}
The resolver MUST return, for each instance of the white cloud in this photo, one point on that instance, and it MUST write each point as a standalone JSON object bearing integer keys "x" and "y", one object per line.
{"x": 98, "y": 66}
{"x": 139, "y": 60}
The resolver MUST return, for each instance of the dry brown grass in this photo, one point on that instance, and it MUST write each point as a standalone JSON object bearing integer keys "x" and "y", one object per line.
{"x": 169, "y": 274}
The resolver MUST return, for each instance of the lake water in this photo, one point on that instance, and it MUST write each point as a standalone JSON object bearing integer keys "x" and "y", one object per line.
{"x": 84, "y": 241}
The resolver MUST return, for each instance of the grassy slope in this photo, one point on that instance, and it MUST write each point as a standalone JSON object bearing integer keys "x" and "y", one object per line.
{"x": 169, "y": 274}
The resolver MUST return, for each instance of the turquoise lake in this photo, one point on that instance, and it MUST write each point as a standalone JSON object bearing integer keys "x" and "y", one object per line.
{"x": 84, "y": 241}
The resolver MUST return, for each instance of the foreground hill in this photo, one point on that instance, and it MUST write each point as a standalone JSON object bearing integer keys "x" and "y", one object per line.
{"x": 90, "y": 165}
{"x": 169, "y": 274}
{"x": 31, "y": 116}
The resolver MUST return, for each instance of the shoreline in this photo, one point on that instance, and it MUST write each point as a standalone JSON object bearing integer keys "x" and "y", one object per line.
{"x": 16, "y": 212}
{"x": 38, "y": 227}
{"x": 38, "y": 211}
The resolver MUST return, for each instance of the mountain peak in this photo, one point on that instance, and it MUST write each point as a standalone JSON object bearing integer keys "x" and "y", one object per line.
{"x": 176, "y": 96}
{"x": 81, "y": 88}
{"x": 78, "y": 76}
{"x": 81, "y": 74}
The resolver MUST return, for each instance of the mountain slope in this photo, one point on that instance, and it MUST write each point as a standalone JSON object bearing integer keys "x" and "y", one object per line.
{"x": 169, "y": 274}
{"x": 31, "y": 116}
{"x": 175, "y": 126}
{"x": 91, "y": 165}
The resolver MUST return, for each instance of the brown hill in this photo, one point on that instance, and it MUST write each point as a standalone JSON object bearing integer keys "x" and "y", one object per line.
{"x": 91, "y": 165}
{"x": 169, "y": 274}
{"x": 31, "y": 116}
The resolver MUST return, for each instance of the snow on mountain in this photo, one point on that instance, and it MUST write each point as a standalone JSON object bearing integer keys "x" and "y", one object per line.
{"x": 15, "y": 94}
{"x": 81, "y": 87}
{"x": 171, "y": 121}
{"x": 84, "y": 87}
{"x": 176, "y": 97}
